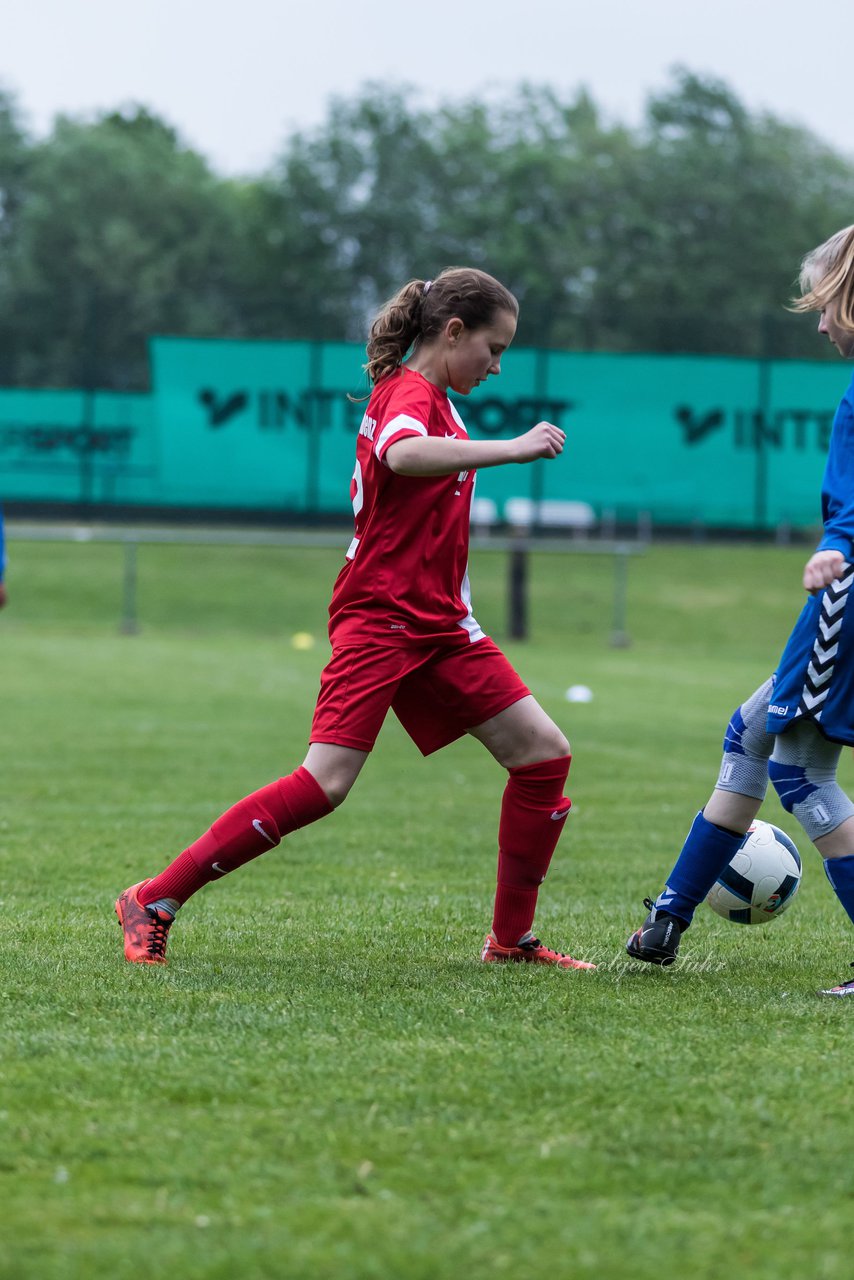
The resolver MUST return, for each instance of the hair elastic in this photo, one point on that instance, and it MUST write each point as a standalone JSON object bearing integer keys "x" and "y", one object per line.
{"x": 426, "y": 288}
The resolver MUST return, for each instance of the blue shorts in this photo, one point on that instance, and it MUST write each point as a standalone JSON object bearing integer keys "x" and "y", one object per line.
{"x": 815, "y": 678}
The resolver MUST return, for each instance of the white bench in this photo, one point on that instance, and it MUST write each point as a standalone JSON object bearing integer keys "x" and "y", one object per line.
{"x": 550, "y": 513}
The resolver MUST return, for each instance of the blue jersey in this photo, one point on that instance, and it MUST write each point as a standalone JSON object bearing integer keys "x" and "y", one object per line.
{"x": 815, "y": 678}
{"x": 837, "y": 489}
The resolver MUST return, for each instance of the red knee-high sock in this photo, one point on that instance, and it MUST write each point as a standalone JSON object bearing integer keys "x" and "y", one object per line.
{"x": 533, "y": 813}
{"x": 245, "y": 831}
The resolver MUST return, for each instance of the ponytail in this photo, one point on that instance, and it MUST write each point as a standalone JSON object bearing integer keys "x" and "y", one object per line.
{"x": 394, "y": 330}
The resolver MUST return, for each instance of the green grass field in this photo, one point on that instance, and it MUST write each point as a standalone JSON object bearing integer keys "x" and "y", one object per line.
{"x": 325, "y": 1082}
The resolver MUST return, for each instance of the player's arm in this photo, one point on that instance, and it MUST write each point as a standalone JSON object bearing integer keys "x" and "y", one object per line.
{"x": 442, "y": 456}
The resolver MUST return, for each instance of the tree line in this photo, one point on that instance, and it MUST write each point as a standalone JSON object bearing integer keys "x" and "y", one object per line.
{"x": 682, "y": 234}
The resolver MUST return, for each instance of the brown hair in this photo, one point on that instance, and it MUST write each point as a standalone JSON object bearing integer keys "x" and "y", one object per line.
{"x": 827, "y": 272}
{"x": 422, "y": 308}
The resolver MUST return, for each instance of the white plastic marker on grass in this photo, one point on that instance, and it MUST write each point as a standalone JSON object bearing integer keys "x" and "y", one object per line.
{"x": 578, "y": 693}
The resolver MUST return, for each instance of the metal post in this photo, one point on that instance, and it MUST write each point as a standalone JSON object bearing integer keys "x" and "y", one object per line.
{"x": 517, "y": 590}
{"x": 129, "y": 624}
{"x": 619, "y": 634}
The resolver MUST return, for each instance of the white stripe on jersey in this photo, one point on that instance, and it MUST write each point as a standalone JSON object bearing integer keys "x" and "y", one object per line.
{"x": 469, "y": 623}
{"x": 455, "y": 415}
{"x": 402, "y": 420}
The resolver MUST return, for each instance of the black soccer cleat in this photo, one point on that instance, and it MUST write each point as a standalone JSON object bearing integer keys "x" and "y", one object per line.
{"x": 657, "y": 940}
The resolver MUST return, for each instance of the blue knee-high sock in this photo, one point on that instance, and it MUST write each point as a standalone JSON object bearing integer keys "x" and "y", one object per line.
{"x": 705, "y": 853}
{"x": 840, "y": 873}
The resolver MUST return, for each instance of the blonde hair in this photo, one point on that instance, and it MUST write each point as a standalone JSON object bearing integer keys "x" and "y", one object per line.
{"x": 421, "y": 309}
{"x": 827, "y": 273}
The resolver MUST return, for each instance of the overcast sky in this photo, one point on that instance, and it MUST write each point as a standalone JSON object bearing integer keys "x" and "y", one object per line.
{"x": 236, "y": 77}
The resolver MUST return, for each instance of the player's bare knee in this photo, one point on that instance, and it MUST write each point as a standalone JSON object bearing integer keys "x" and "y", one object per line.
{"x": 337, "y": 787}
{"x": 547, "y": 745}
{"x": 335, "y": 784}
{"x": 334, "y": 769}
{"x": 558, "y": 745}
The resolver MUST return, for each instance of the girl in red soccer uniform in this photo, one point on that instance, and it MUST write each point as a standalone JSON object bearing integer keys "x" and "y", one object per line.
{"x": 402, "y": 630}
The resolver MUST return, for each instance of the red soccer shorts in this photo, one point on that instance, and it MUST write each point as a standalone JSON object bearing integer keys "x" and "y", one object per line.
{"x": 437, "y": 692}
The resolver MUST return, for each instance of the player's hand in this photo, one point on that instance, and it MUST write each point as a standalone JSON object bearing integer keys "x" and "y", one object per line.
{"x": 545, "y": 440}
{"x": 821, "y": 569}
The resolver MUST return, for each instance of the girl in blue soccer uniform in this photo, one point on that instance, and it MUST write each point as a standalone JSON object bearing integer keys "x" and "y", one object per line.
{"x": 794, "y": 726}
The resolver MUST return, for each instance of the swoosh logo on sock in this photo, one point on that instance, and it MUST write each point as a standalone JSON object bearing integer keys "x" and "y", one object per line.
{"x": 559, "y": 814}
{"x": 221, "y": 871}
{"x": 258, "y": 825}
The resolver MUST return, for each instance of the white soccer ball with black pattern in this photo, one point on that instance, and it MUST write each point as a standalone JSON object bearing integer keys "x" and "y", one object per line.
{"x": 761, "y": 880}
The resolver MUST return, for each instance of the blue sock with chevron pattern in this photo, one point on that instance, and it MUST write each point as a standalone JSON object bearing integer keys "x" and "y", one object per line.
{"x": 840, "y": 873}
{"x": 705, "y": 853}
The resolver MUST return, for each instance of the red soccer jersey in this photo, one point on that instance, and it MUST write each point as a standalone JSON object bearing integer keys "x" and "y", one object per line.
{"x": 406, "y": 577}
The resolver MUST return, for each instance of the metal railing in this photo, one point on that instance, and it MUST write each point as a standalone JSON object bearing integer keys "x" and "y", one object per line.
{"x": 518, "y": 546}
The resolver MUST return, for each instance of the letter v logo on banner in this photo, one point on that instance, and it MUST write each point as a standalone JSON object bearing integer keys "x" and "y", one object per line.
{"x": 221, "y": 409}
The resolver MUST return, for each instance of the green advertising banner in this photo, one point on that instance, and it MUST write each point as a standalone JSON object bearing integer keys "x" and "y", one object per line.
{"x": 256, "y": 424}
{"x": 77, "y": 446}
{"x": 271, "y": 427}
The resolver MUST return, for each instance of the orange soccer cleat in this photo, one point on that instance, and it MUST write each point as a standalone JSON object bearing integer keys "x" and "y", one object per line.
{"x": 528, "y": 950}
{"x": 146, "y": 928}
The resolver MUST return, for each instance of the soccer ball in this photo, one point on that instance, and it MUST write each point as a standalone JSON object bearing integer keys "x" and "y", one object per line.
{"x": 761, "y": 879}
